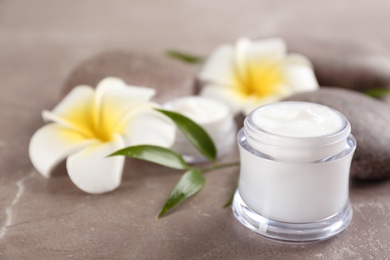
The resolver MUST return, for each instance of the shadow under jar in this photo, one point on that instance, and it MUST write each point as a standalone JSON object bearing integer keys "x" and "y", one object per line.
{"x": 294, "y": 173}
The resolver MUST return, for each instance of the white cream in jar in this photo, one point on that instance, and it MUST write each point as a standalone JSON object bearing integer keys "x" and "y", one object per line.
{"x": 294, "y": 175}
{"x": 213, "y": 116}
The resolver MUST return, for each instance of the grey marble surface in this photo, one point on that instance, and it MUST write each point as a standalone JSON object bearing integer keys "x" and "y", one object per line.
{"x": 42, "y": 41}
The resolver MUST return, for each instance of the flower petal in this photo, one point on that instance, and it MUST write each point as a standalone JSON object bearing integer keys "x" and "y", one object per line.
{"x": 248, "y": 52}
{"x": 267, "y": 48}
{"x": 51, "y": 144}
{"x": 299, "y": 74}
{"x": 219, "y": 67}
{"x": 92, "y": 172}
{"x": 75, "y": 110}
{"x": 147, "y": 126}
{"x": 229, "y": 96}
{"x": 114, "y": 99}
{"x": 298, "y": 59}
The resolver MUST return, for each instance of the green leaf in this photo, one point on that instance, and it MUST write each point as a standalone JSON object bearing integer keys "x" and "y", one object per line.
{"x": 197, "y": 136}
{"x": 189, "y": 184}
{"x": 185, "y": 57}
{"x": 155, "y": 154}
{"x": 377, "y": 92}
{"x": 230, "y": 201}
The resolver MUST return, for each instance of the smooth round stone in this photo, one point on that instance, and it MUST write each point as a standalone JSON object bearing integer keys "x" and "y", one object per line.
{"x": 352, "y": 64}
{"x": 370, "y": 121}
{"x": 169, "y": 77}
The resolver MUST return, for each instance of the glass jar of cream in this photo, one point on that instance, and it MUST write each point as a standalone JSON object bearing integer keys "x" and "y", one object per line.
{"x": 294, "y": 173}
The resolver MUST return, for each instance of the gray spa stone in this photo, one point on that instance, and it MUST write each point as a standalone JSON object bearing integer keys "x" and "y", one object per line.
{"x": 355, "y": 65}
{"x": 169, "y": 77}
{"x": 370, "y": 120}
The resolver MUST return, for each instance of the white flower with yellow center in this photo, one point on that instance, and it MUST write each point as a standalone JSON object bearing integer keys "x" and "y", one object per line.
{"x": 251, "y": 74}
{"x": 87, "y": 125}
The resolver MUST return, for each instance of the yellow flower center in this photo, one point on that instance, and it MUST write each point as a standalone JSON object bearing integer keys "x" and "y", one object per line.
{"x": 95, "y": 124}
{"x": 262, "y": 79}
{"x": 102, "y": 134}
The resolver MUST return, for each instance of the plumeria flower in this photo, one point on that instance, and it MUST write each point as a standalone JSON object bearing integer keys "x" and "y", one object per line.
{"x": 251, "y": 74}
{"x": 87, "y": 125}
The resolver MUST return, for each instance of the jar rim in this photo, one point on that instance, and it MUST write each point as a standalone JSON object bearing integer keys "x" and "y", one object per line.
{"x": 261, "y": 135}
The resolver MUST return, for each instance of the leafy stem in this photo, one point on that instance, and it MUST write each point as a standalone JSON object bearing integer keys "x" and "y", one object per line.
{"x": 220, "y": 166}
{"x": 184, "y": 57}
{"x": 195, "y": 134}
{"x": 192, "y": 180}
{"x": 190, "y": 183}
{"x": 377, "y": 92}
